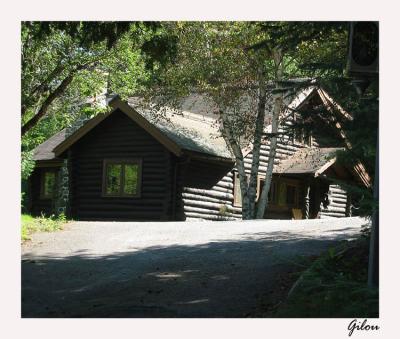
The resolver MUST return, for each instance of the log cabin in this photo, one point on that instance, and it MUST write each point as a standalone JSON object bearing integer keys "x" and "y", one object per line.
{"x": 127, "y": 165}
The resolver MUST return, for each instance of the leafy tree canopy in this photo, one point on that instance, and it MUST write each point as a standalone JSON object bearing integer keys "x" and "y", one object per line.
{"x": 66, "y": 63}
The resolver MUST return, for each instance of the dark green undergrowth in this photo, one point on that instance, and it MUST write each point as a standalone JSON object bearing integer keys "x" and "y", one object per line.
{"x": 335, "y": 286}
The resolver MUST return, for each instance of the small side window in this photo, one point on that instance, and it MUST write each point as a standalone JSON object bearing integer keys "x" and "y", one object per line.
{"x": 237, "y": 194}
{"x": 301, "y": 135}
{"x": 48, "y": 184}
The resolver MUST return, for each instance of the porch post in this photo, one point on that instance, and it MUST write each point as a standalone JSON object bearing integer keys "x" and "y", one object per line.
{"x": 306, "y": 206}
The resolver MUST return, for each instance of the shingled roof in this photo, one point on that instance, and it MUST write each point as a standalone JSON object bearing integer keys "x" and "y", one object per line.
{"x": 187, "y": 131}
{"x": 45, "y": 150}
{"x": 190, "y": 131}
{"x": 308, "y": 161}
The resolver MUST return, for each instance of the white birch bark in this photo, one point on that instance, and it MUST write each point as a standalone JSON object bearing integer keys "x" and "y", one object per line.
{"x": 259, "y": 128}
{"x": 278, "y": 104}
{"x": 239, "y": 160}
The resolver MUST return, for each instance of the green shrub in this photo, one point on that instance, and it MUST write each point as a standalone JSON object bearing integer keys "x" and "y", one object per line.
{"x": 40, "y": 224}
{"x": 335, "y": 286}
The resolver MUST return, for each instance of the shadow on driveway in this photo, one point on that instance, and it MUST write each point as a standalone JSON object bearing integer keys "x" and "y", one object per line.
{"x": 216, "y": 279}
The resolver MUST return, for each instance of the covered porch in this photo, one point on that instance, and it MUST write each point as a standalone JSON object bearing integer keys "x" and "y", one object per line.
{"x": 306, "y": 186}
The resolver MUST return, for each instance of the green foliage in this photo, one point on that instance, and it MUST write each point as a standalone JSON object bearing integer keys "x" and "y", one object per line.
{"x": 165, "y": 62}
{"x": 27, "y": 164}
{"x": 31, "y": 224}
{"x": 225, "y": 62}
{"x": 325, "y": 60}
{"x": 99, "y": 56}
{"x": 209, "y": 58}
{"x": 87, "y": 33}
{"x": 363, "y": 132}
{"x": 335, "y": 286}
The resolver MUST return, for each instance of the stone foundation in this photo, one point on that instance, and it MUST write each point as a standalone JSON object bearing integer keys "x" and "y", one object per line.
{"x": 61, "y": 203}
{"x": 62, "y": 200}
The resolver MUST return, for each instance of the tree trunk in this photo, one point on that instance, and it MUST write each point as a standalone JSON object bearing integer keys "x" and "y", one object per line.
{"x": 239, "y": 161}
{"x": 260, "y": 121}
{"x": 56, "y": 93}
{"x": 278, "y": 103}
{"x": 46, "y": 104}
{"x": 373, "y": 264}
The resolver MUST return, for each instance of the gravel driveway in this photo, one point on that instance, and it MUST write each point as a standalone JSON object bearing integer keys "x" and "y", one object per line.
{"x": 166, "y": 269}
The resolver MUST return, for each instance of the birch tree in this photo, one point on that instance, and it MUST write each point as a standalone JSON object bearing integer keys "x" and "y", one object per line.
{"x": 277, "y": 109}
{"x": 212, "y": 60}
{"x": 237, "y": 67}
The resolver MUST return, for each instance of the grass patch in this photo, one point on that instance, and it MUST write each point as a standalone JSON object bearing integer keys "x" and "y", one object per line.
{"x": 334, "y": 286}
{"x": 31, "y": 224}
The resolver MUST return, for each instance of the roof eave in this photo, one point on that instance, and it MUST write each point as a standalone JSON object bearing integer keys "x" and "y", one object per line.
{"x": 57, "y": 162}
{"x": 209, "y": 157}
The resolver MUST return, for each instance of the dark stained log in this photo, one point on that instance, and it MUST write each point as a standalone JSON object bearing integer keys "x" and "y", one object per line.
{"x": 205, "y": 204}
{"x": 221, "y": 193}
{"x": 206, "y": 211}
{"x": 199, "y": 216}
{"x": 118, "y": 137}
{"x": 222, "y": 189}
{"x": 207, "y": 191}
{"x": 337, "y": 204}
{"x": 172, "y": 188}
{"x": 339, "y": 199}
{"x": 333, "y": 209}
{"x": 190, "y": 196}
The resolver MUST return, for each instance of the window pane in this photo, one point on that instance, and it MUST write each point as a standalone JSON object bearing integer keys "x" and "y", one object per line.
{"x": 49, "y": 183}
{"x": 238, "y": 192}
{"x": 113, "y": 178}
{"x": 131, "y": 179}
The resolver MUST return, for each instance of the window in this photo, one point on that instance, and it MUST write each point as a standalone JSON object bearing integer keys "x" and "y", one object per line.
{"x": 122, "y": 178}
{"x": 300, "y": 134}
{"x": 283, "y": 193}
{"x": 48, "y": 184}
{"x": 302, "y": 137}
{"x": 288, "y": 194}
{"x": 237, "y": 193}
